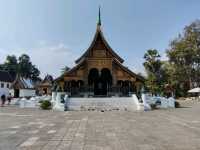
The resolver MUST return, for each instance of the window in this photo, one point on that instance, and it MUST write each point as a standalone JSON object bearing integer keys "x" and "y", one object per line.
{"x": 7, "y": 85}
{"x": 2, "y": 85}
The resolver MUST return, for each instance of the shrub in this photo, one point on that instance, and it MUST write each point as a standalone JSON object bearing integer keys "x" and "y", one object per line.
{"x": 40, "y": 101}
{"x": 153, "y": 106}
{"x": 46, "y": 105}
{"x": 177, "y": 104}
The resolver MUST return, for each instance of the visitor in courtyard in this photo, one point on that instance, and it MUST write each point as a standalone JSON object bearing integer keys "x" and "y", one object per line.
{"x": 9, "y": 98}
{"x": 3, "y": 100}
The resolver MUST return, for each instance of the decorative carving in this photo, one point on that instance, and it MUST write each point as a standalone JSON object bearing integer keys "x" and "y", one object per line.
{"x": 102, "y": 63}
{"x": 99, "y": 53}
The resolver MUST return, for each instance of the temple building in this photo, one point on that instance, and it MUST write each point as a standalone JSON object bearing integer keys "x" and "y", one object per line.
{"x": 99, "y": 72}
{"x": 44, "y": 87}
{"x": 22, "y": 87}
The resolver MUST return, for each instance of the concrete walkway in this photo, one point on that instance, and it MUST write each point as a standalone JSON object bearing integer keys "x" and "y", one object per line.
{"x": 33, "y": 129}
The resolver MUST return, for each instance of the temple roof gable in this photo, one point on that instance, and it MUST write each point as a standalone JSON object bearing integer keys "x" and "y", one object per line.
{"x": 99, "y": 34}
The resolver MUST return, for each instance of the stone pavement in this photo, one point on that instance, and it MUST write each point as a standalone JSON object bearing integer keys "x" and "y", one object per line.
{"x": 33, "y": 129}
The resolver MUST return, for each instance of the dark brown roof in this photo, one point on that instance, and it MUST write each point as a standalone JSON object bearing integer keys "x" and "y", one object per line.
{"x": 5, "y": 76}
{"x": 100, "y": 33}
{"x": 48, "y": 78}
{"x": 129, "y": 71}
{"x": 69, "y": 71}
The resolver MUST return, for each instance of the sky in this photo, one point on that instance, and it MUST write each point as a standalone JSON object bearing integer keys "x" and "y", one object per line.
{"x": 54, "y": 33}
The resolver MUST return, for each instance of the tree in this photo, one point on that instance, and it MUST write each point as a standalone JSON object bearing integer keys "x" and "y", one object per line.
{"x": 184, "y": 55}
{"x": 25, "y": 66}
{"x": 169, "y": 78}
{"x": 153, "y": 67}
{"x": 65, "y": 69}
{"x": 22, "y": 66}
{"x": 1, "y": 67}
{"x": 11, "y": 65}
{"x": 34, "y": 73}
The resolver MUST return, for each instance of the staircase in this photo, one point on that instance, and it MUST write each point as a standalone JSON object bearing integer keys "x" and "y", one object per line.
{"x": 104, "y": 103}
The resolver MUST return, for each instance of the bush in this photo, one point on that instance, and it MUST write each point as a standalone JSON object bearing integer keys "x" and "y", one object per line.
{"x": 177, "y": 104}
{"x": 46, "y": 105}
{"x": 153, "y": 106}
{"x": 40, "y": 102}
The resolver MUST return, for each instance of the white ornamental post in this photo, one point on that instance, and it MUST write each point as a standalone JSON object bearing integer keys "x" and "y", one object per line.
{"x": 66, "y": 105}
{"x": 146, "y": 105}
{"x": 58, "y": 105}
{"x": 53, "y": 97}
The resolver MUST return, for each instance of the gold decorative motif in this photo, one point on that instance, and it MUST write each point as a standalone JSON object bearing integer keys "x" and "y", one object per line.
{"x": 102, "y": 63}
{"x": 99, "y": 53}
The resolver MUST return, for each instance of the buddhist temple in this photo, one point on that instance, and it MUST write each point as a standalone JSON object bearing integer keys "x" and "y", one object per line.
{"x": 44, "y": 88}
{"x": 99, "y": 72}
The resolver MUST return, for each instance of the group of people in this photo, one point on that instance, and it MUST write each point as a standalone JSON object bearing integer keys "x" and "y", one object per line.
{"x": 4, "y": 98}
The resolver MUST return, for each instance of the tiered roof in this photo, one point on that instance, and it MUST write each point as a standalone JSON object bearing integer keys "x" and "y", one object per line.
{"x": 99, "y": 34}
{"x": 22, "y": 83}
{"x": 5, "y": 76}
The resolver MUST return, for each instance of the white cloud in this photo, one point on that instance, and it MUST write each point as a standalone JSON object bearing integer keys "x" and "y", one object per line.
{"x": 49, "y": 59}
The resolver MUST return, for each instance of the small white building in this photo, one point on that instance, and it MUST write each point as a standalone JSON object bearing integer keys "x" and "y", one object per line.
{"x": 22, "y": 87}
{"x": 5, "y": 82}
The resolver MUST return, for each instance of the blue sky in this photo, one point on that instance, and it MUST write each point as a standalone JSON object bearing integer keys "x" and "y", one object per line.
{"x": 56, "y": 32}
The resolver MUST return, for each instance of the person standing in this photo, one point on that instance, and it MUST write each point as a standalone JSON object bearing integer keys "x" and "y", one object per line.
{"x": 9, "y": 98}
{"x": 3, "y": 100}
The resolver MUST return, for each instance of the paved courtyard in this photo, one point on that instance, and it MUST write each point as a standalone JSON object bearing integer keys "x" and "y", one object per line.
{"x": 33, "y": 129}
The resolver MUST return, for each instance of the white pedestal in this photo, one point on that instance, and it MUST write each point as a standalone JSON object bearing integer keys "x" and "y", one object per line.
{"x": 146, "y": 105}
{"x": 171, "y": 102}
{"x": 58, "y": 105}
{"x": 53, "y": 97}
{"x": 139, "y": 106}
{"x": 164, "y": 102}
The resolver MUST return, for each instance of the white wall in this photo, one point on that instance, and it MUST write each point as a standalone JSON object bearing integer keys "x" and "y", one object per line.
{"x": 26, "y": 92}
{"x": 4, "y": 90}
{"x": 12, "y": 92}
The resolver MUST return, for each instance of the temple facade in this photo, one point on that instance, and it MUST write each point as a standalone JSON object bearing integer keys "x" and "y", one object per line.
{"x": 99, "y": 72}
{"x": 45, "y": 86}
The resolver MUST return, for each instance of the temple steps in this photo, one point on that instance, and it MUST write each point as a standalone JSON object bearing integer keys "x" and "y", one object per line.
{"x": 104, "y": 103}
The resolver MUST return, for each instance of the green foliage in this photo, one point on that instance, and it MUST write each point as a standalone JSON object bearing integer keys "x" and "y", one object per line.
{"x": 46, "y": 105}
{"x": 177, "y": 104}
{"x": 65, "y": 69}
{"x": 59, "y": 88}
{"x": 22, "y": 66}
{"x": 153, "y": 106}
{"x": 152, "y": 63}
{"x": 155, "y": 72}
{"x": 11, "y": 65}
{"x": 182, "y": 70}
{"x": 184, "y": 57}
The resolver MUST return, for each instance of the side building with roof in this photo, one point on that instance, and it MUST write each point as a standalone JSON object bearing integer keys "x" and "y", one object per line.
{"x": 45, "y": 86}
{"x": 22, "y": 87}
{"x": 5, "y": 82}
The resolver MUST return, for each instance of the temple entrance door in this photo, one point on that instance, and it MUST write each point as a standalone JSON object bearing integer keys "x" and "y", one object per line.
{"x": 93, "y": 80}
{"x": 16, "y": 93}
{"x": 45, "y": 91}
{"x": 105, "y": 80}
{"x": 100, "y": 82}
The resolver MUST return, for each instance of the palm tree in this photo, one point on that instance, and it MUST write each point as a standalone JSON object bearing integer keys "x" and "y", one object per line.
{"x": 65, "y": 69}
